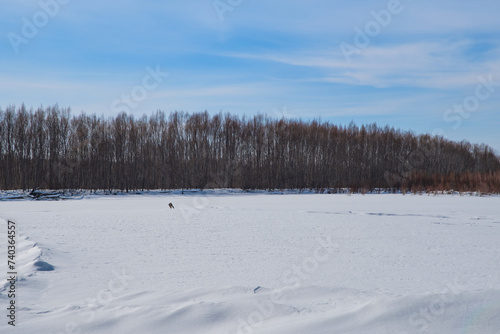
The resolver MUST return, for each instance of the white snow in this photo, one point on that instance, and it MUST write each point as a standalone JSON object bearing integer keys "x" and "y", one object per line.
{"x": 255, "y": 263}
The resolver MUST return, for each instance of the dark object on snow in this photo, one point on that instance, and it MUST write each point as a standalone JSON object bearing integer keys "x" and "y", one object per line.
{"x": 51, "y": 195}
{"x": 170, "y": 205}
{"x": 256, "y": 289}
{"x": 48, "y": 195}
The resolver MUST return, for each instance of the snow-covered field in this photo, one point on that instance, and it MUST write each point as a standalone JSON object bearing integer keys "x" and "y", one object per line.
{"x": 255, "y": 263}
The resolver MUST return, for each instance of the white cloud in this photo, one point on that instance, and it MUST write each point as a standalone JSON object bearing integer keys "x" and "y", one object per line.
{"x": 422, "y": 64}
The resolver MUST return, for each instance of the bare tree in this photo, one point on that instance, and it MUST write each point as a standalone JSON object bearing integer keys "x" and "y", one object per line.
{"x": 50, "y": 148}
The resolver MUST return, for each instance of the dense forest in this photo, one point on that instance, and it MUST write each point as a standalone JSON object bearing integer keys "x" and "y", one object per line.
{"x": 49, "y": 148}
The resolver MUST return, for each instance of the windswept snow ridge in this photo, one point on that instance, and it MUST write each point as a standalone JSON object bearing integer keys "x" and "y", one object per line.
{"x": 28, "y": 256}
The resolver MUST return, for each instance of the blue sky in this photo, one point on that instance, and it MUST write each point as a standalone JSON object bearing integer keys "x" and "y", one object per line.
{"x": 420, "y": 66}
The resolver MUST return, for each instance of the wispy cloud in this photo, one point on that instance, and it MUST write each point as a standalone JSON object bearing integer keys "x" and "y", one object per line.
{"x": 426, "y": 65}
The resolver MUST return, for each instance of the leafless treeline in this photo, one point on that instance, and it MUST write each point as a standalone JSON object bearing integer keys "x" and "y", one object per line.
{"x": 50, "y": 148}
